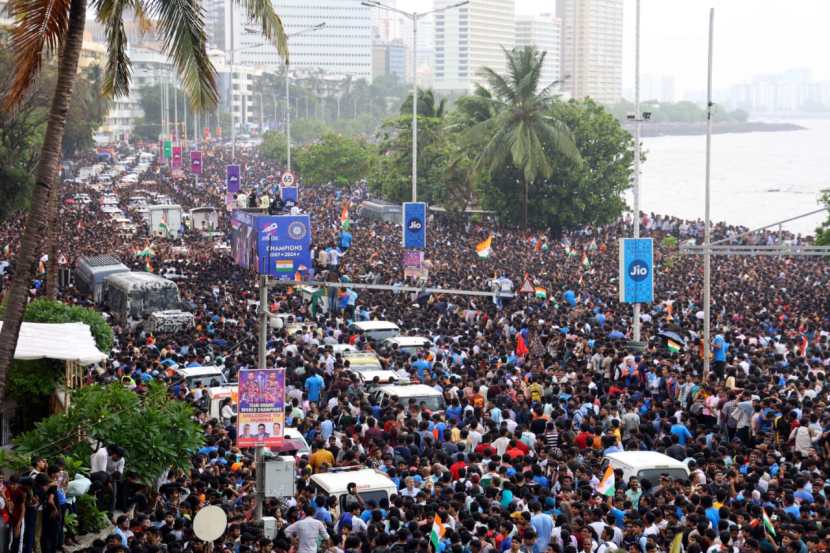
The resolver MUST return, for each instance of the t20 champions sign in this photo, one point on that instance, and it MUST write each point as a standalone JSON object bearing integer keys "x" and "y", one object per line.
{"x": 636, "y": 270}
{"x": 414, "y": 225}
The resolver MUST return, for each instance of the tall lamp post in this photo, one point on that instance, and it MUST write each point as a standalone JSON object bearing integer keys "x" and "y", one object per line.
{"x": 414, "y": 17}
{"x": 311, "y": 29}
{"x": 637, "y": 120}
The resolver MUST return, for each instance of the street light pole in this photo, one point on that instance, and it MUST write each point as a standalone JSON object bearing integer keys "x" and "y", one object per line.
{"x": 230, "y": 83}
{"x": 707, "y": 236}
{"x": 311, "y": 29}
{"x": 637, "y": 121}
{"x": 414, "y": 17}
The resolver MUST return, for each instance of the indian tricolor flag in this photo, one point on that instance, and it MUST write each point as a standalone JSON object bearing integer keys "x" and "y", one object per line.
{"x": 606, "y": 485}
{"x": 344, "y": 213}
{"x": 585, "y": 261}
{"x": 284, "y": 265}
{"x": 437, "y": 533}
{"x": 768, "y": 523}
{"x": 673, "y": 346}
{"x": 485, "y": 247}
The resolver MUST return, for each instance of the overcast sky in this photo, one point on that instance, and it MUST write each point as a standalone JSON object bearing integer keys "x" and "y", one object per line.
{"x": 751, "y": 37}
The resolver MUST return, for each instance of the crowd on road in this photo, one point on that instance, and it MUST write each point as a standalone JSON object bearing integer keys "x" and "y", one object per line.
{"x": 539, "y": 389}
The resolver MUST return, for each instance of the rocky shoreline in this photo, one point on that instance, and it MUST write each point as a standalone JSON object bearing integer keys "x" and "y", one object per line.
{"x": 650, "y": 129}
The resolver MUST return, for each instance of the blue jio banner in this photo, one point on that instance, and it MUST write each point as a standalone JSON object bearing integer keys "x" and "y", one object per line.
{"x": 290, "y": 194}
{"x": 414, "y": 225}
{"x": 283, "y": 245}
{"x": 232, "y": 178}
{"x": 636, "y": 270}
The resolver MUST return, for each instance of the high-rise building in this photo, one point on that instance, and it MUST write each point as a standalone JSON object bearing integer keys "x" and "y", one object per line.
{"x": 592, "y": 48}
{"x": 545, "y": 33}
{"x": 342, "y": 47}
{"x": 470, "y": 38}
{"x": 389, "y": 58}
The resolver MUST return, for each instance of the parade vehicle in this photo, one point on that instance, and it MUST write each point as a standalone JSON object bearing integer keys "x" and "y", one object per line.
{"x": 90, "y": 272}
{"x": 135, "y": 295}
{"x": 371, "y": 485}
{"x": 647, "y": 465}
{"x": 376, "y": 331}
{"x": 206, "y": 376}
{"x": 411, "y": 394}
{"x": 169, "y": 321}
{"x": 409, "y": 345}
{"x": 165, "y": 219}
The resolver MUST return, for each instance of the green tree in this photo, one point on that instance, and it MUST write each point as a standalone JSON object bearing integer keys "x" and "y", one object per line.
{"x": 274, "y": 147}
{"x": 823, "y": 230}
{"x": 589, "y": 192}
{"x": 43, "y": 29}
{"x": 523, "y": 129}
{"x": 156, "y": 431}
{"x": 391, "y": 174}
{"x": 335, "y": 158}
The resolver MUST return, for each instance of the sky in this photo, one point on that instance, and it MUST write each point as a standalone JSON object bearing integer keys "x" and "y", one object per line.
{"x": 751, "y": 37}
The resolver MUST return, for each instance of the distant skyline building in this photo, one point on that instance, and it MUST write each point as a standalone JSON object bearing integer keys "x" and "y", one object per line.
{"x": 790, "y": 91}
{"x": 390, "y": 58}
{"x": 545, "y": 33}
{"x": 342, "y": 47}
{"x": 592, "y": 48}
{"x": 469, "y": 38}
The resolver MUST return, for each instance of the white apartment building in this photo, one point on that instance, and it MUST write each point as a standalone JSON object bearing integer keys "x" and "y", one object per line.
{"x": 469, "y": 38}
{"x": 592, "y": 48}
{"x": 545, "y": 33}
{"x": 343, "y": 46}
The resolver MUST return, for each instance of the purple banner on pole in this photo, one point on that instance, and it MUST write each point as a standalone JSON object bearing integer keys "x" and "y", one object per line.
{"x": 232, "y": 179}
{"x": 196, "y": 162}
{"x": 177, "y": 157}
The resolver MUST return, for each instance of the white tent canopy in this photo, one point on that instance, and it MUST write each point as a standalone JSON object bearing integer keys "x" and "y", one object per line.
{"x": 66, "y": 342}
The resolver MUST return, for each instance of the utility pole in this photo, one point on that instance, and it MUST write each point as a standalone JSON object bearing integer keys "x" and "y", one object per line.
{"x": 637, "y": 120}
{"x": 707, "y": 239}
{"x": 261, "y": 364}
{"x": 413, "y": 17}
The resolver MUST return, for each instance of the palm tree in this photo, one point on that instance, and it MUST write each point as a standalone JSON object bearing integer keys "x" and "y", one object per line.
{"x": 56, "y": 27}
{"x": 520, "y": 127}
{"x": 428, "y": 105}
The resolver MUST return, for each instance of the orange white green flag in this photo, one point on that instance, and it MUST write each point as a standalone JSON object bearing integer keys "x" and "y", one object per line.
{"x": 485, "y": 247}
{"x": 606, "y": 485}
{"x": 437, "y": 533}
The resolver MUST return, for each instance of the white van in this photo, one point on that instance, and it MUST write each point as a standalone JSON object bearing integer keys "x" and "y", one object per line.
{"x": 376, "y": 331}
{"x": 200, "y": 375}
{"x": 410, "y": 394}
{"x": 647, "y": 465}
{"x": 218, "y": 394}
{"x": 372, "y": 485}
{"x": 409, "y": 345}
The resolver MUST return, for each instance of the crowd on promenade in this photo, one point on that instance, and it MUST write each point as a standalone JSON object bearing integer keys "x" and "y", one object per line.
{"x": 538, "y": 388}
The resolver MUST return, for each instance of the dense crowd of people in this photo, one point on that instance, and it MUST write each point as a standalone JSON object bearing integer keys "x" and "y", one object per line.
{"x": 539, "y": 389}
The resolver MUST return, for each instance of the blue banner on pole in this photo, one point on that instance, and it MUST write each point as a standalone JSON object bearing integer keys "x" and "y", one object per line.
{"x": 277, "y": 245}
{"x": 636, "y": 270}
{"x": 290, "y": 194}
{"x": 232, "y": 179}
{"x": 414, "y": 225}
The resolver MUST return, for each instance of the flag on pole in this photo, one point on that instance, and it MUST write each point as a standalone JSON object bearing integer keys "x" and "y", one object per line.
{"x": 437, "y": 533}
{"x": 485, "y": 247}
{"x": 585, "y": 261}
{"x": 606, "y": 485}
{"x": 521, "y": 347}
{"x": 768, "y": 523}
{"x": 677, "y": 543}
{"x": 802, "y": 346}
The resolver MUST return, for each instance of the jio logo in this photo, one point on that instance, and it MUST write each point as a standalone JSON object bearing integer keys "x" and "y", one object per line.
{"x": 637, "y": 270}
{"x": 415, "y": 224}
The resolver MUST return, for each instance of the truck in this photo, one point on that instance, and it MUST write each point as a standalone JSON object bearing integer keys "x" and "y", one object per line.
{"x": 134, "y": 295}
{"x": 165, "y": 219}
{"x": 91, "y": 270}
